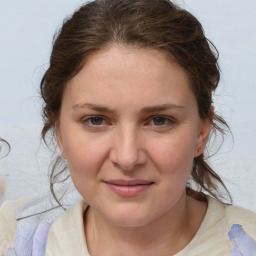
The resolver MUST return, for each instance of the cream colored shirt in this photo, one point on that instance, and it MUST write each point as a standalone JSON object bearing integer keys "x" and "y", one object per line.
{"x": 66, "y": 235}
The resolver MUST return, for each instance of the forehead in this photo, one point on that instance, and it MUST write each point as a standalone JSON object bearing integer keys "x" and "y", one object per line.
{"x": 130, "y": 75}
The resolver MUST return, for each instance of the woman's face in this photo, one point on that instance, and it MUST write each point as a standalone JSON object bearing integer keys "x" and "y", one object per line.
{"x": 130, "y": 129}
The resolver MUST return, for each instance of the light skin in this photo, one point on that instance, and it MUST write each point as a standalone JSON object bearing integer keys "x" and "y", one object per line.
{"x": 129, "y": 115}
{"x": 1, "y": 187}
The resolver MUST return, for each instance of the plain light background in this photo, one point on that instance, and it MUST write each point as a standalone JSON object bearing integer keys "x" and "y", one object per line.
{"x": 26, "y": 31}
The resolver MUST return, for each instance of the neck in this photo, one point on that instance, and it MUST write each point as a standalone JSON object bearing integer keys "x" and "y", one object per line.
{"x": 165, "y": 236}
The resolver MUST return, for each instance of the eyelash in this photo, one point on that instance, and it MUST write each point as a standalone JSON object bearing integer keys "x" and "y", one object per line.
{"x": 88, "y": 121}
{"x": 168, "y": 121}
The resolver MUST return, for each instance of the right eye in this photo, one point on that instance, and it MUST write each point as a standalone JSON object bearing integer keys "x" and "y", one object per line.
{"x": 94, "y": 121}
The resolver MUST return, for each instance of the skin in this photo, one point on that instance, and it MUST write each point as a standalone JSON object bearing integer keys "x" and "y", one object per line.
{"x": 1, "y": 187}
{"x": 147, "y": 127}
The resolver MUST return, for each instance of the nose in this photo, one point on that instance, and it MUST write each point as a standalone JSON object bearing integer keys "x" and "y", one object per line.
{"x": 127, "y": 151}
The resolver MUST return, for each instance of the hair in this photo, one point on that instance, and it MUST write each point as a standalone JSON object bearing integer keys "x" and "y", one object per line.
{"x": 151, "y": 24}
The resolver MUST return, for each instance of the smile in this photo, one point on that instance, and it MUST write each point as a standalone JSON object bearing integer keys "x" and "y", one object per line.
{"x": 128, "y": 188}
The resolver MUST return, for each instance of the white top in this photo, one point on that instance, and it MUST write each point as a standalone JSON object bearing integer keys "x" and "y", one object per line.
{"x": 66, "y": 236}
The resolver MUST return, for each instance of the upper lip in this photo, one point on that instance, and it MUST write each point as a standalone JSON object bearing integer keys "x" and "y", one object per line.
{"x": 128, "y": 182}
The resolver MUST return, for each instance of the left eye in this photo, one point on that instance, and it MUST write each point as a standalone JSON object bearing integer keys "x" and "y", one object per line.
{"x": 161, "y": 121}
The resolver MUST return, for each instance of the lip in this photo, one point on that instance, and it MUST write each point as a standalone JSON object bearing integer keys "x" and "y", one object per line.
{"x": 128, "y": 188}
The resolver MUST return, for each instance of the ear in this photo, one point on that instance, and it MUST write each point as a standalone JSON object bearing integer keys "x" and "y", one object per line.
{"x": 204, "y": 131}
{"x": 59, "y": 139}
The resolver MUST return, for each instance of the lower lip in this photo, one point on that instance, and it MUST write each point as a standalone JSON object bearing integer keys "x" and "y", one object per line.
{"x": 129, "y": 191}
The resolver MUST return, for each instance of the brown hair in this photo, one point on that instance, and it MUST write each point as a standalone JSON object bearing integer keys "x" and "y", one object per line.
{"x": 153, "y": 24}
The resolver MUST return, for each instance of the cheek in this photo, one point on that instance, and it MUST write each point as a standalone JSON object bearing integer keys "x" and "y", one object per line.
{"x": 84, "y": 154}
{"x": 84, "y": 162}
{"x": 174, "y": 156}
{"x": 173, "y": 162}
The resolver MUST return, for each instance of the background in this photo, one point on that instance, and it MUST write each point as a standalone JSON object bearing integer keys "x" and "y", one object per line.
{"x": 26, "y": 31}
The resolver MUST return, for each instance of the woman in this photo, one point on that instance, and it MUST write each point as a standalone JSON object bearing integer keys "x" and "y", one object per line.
{"x": 128, "y": 96}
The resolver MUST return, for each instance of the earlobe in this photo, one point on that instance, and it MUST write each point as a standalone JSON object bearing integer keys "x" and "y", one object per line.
{"x": 205, "y": 129}
{"x": 59, "y": 140}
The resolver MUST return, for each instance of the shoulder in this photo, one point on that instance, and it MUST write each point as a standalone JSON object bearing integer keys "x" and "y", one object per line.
{"x": 225, "y": 230}
{"x": 233, "y": 228}
{"x": 8, "y": 222}
{"x": 242, "y": 230}
{"x": 61, "y": 242}
{"x": 25, "y": 223}
{"x": 231, "y": 215}
{"x": 243, "y": 217}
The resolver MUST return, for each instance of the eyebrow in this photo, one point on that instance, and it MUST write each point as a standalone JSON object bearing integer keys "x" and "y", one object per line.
{"x": 145, "y": 110}
{"x": 96, "y": 107}
{"x": 159, "y": 108}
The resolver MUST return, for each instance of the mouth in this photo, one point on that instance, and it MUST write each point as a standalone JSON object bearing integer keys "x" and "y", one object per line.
{"x": 128, "y": 188}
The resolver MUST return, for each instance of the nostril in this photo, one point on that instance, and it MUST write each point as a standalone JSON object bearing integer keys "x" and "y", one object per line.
{"x": 126, "y": 153}
{"x": 129, "y": 163}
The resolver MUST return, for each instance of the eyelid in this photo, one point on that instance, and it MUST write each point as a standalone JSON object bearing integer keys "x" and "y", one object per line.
{"x": 87, "y": 118}
{"x": 170, "y": 120}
